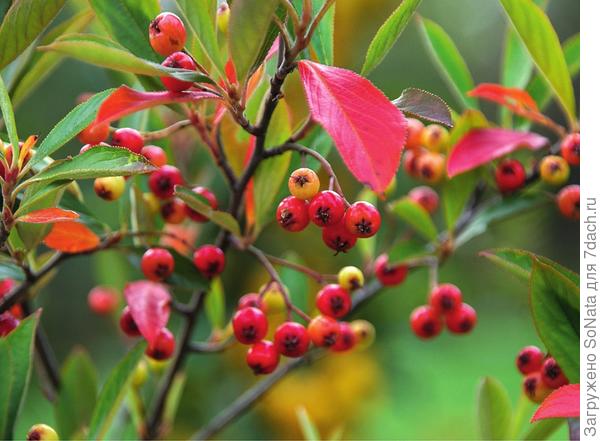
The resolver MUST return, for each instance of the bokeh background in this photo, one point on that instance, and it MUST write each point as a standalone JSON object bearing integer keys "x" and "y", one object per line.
{"x": 401, "y": 388}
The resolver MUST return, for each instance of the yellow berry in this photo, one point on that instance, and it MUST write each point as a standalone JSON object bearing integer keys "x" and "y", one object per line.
{"x": 140, "y": 374}
{"x": 223, "y": 17}
{"x": 554, "y": 170}
{"x": 42, "y": 432}
{"x": 364, "y": 332}
{"x": 273, "y": 299}
{"x": 110, "y": 188}
{"x": 152, "y": 202}
{"x": 351, "y": 278}
{"x": 304, "y": 183}
{"x": 435, "y": 138}
{"x": 430, "y": 167}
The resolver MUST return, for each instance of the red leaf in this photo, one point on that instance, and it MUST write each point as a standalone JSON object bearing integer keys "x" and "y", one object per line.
{"x": 149, "y": 306}
{"x": 368, "y": 130}
{"x": 562, "y": 403}
{"x": 481, "y": 146}
{"x": 48, "y": 216}
{"x": 71, "y": 237}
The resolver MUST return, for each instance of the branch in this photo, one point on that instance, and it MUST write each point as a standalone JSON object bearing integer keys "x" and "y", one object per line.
{"x": 167, "y": 131}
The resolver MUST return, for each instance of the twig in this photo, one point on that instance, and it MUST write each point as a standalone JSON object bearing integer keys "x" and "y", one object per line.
{"x": 210, "y": 347}
{"x": 317, "y": 276}
{"x": 167, "y": 131}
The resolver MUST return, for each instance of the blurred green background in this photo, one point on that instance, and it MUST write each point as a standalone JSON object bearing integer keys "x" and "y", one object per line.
{"x": 401, "y": 388}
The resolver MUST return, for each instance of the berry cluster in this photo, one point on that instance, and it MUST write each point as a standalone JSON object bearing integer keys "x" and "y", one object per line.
{"x": 542, "y": 373}
{"x": 424, "y": 158}
{"x": 341, "y": 224}
{"x": 445, "y": 307}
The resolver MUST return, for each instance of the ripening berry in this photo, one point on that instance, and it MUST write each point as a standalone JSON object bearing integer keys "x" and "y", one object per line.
{"x": 463, "y": 320}
{"x": 103, "y": 300}
{"x": 152, "y": 202}
{"x": 162, "y": 347}
{"x": 338, "y": 238}
{"x": 250, "y": 325}
{"x": 333, "y": 301}
{"x": 162, "y": 182}
{"x": 425, "y": 323}
{"x": 362, "y": 219}
{"x": 208, "y": 197}
{"x": 552, "y": 374}
{"x": 510, "y": 176}
{"x": 223, "y": 13}
{"x": 530, "y": 359}
{"x": 291, "y": 339}
{"x": 94, "y": 134}
{"x": 42, "y": 432}
{"x": 262, "y": 357}
{"x": 251, "y": 300}
{"x": 167, "y": 34}
{"x": 434, "y": 137}
{"x": 415, "y": 128}
{"x": 8, "y": 322}
{"x": 364, "y": 332}
{"x": 210, "y": 260}
{"x": 140, "y": 374}
{"x": 155, "y": 154}
{"x": 534, "y": 387}
{"x": 129, "y": 138}
{"x": 430, "y": 167}
{"x": 292, "y": 214}
{"x": 323, "y": 331}
{"x": 567, "y": 200}
{"x": 127, "y": 323}
{"x": 273, "y": 300}
{"x": 110, "y": 188}
{"x": 326, "y": 208}
{"x": 554, "y": 170}
{"x": 157, "y": 264}
{"x": 177, "y": 60}
{"x": 409, "y": 162}
{"x": 445, "y": 298}
{"x": 351, "y": 278}
{"x": 426, "y": 197}
{"x": 173, "y": 211}
{"x": 304, "y": 183}
{"x": 346, "y": 339}
{"x": 389, "y": 274}
{"x": 569, "y": 148}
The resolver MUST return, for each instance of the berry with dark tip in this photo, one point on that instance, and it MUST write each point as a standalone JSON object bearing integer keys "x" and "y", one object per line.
{"x": 554, "y": 170}
{"x": 534, "y": 387}
{"x": 569, "y": 149}
{"x": 249, "y": 325}
{"x": 445, "y": 298}
{"x": 529, "y": 359}
{"x": 127, "y": 323}
{"x": 430, "y": 167}
{"x": 338, "y": 238}
{"x": 333, "y": 301}
{"x": 362, "y": 219}
{"x": 510, "y": 176}
{"x": 351, "y": 278}
{"x": 364, "y": 332}
{"x": 162, "y": 347}
{"x": 42, "y": 432}
{"x": 389, "y": 274}
{"x": 208, "y": 197}
{"x": 326, "y": 208}
{"x": 129, "y": 138}
{"x": 291, "y": 339}
{"x": 426, "y": 197}
{"x": 425, "y": 323}
{"x": 173, "y": 211}
{"x": 323, "y": 331}
{"x": 304, "y": 183}
{"x": 552, "y": 374}
{"x": 568, "y": 201}
{"x": 463, "y": 320}
{"x": 109, "y": 188}
{"x": 210, "y": 260}
{"x": 167, "y": 33}
{"x": 162, "y": 182}
{"x": 346, "y": 339}
{"x": 177, "y": 60}
{"x": 155, "y": 154}
{"x": 262, "y": 357}
{"x": 157, "y": 264}
{"x": 292, "y": 214}
{"x": 435, "y": 137}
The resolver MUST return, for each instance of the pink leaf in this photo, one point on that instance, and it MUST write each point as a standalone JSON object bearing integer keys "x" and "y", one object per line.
{"x": 48, "y": 216}
{"x": 149, "y": 306}
{"x": 368, "y": 130}
{"x": 562, "y": 403}
{"x": 481, "y": 146}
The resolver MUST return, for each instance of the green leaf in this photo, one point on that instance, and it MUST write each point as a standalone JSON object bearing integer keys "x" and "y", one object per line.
{"x": 8, "y": 116}
{"x": 248, "y": 25}
{"x": 77, "y": 395}
{"x": 456, "y": 193}
{"x": 516, "y": 64}
{"x": 554, "y": 302}
{"x": 35, "y": 194}
{"x": 68, "y": 127}
{"x": 16, "y": 354}
{"x": 112, "y": 393}
{"x": 295, "y": 282}
{"x": 449, "y": 61}
{"x": 174, "y": 398}
{"x": 322, "y": 40}
{"x": 24, "y": 21}
{"x": 407, "y": 249}
{"x": 127, "y": 21}
{"x": 309, "y": 430}
{"x": 415, "y": 216}
{"x": 95, "y": 163}
{"x": 215, "y": 304}
{"x": 388, "y": 33}
{"x": 540, "y": 39}
{"x": 543, "y": 429}
{"x": 493, "y": 410}
{"x": 220, "y": 218}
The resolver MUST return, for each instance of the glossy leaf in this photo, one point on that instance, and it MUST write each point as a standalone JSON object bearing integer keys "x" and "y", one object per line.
{"x": 538, "y": 35}
{"x": 368, "y": 130}
{"x": 322, "y": 40}
{"x": 112, "y": 394}
{"x": 71, "y": 237}
{"x": 388, "y": 33}
{"x": 543, "y": 429}
{"x": 310, "y": 432}
{"x": 516, "y": 63}
{"x": 215, "y": 304}
{"x": 416, "y": 216}
{"x": 174, "y": 398}
{"x": 8, "y": 116}
{"x": 48, "y": 216}
{"x": 449, "y": 61}
{"x": 480, "y": 146}
{"x": 561, "y": 403}
{"x": 149, "y": 305}
{"x": 493, "y": 409}
{"x": 406, "y": 249}
{"x": 16, "y": 356}
{"x": 23, "y": 22}
{"x": 421, "y": 104}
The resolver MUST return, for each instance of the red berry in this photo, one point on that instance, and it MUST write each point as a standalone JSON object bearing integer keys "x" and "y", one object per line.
{"x": 103, "y": 300}
{"x": 362, "y": 219}
{"x": 157, "y": 264}
{"x": 510, "y": 176}
{"x": 530, "y": 359}
{"x": 333, "y": 301}
{"x": 568, "y": 201}
{"x": 292, "y": 214}
{"x": 425, "y": 323}
{"x": 94, "y": 134}
{"x": 7, "y": 323}
{"x": 415, "y": 128}
{"x": 338, "y": 238}
{"x": 326, "y": 208}
{"x": 162, "y": 347}
{"x": 426, "y": 197}
{"x": 569, "y": 149}
{"x": 6, "y": 286}
{"x": 129, "y": 138}
{"x": 209, "y": 199}
{"x": 291, "y": 339}
{"x": 552, "y": 374}
{"x": 323, "y": 331}
{"x": 155, "y": 154}
{"x": 389, "y": 275}
{"x": 210, "y": 260}
{"x": 249, "y": 325}
{"x": 177, "y": 60}
{"x": 445, "y": 298}
{"x": 173, "y": 211}
{"x": 462, "y": 321}
{"x": 346, "y": 339}
{"x": 262, "y": 357}
{"x": 87, "y": 147}
{"x": 251, "y": 300}
{"x": 409, "y": 162}
{"x": 167, "y": 34}
{"x": 162, "y": 182}
{"x": 127, "y": 323}
{"x": 534, "y": 387}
